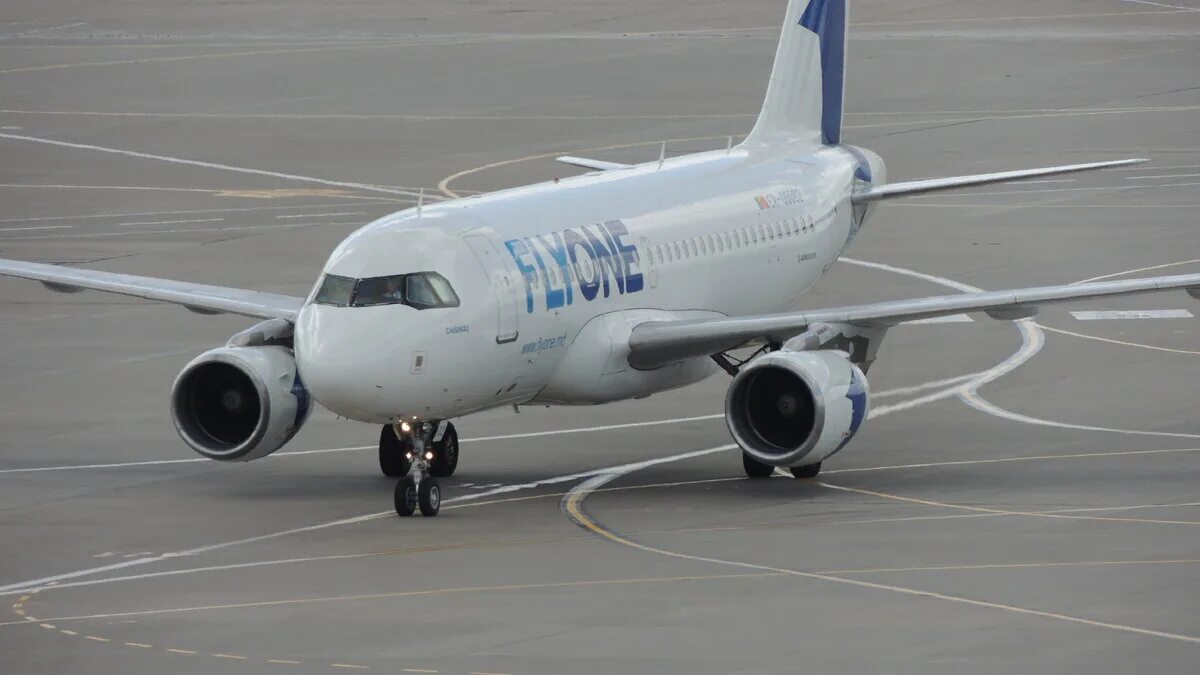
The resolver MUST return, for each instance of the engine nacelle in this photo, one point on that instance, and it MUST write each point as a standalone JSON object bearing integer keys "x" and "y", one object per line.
{"x": 794, "y": 408}
{"x": 240, "y": 403}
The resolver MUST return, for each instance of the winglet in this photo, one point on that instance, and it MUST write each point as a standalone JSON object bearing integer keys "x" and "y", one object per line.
{"x": 917, "y": 187}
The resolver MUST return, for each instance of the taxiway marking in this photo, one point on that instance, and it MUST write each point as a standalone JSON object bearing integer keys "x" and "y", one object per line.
{"x": 1000, "y": 512}
{"x": 1140, "y": 269}
{"x": 40, "y": 227}
{"x": 1111, "y": 315}
{"x": 318, "y": 215}
{"x": 572, "y": 506}
{"x": 174, "y": 222}
{"x": 375, "y": 201}
{"x": 1118, "y": 342}
{"x": 400, "y": 594}
{"x": 212, "y": 165}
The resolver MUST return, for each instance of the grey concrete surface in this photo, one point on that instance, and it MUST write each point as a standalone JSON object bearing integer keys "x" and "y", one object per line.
{"x": 1043, "y": 523}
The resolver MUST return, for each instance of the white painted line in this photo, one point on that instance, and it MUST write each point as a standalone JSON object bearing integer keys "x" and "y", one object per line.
{"x": 1140, "y": 269}
{"x": 176, "y": 213}
{"x": 173, "y": 222}
{"x": 1163, "y": 4}
{"x": 1170, "y": 175}
{"x": 11, "y": 128}
{"x": 39, "y": 227}
{"x": 953, "y": 318}
{"x": 137, "y": 233}
{"x": 319, "y": 215}
{"x": 47, "y": 30}
{"x": 925, "y": 386}
{"x": 1052, "y": 180}
{"x": 1105, "y": 315}
{"x": 214, "y": 165}
{"x": 571, "y": 506}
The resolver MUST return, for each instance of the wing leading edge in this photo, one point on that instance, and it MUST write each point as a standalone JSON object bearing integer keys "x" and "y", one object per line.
{"x": 657, "y": 343}
{"x": 200, "y": 298}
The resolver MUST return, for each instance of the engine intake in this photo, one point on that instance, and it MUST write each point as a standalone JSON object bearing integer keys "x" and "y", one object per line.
{"x": 239, "y": 403}
{"x": 793, "y": 408}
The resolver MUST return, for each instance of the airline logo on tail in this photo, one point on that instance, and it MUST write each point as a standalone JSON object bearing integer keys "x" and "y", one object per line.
{"x": 827, "y": 18}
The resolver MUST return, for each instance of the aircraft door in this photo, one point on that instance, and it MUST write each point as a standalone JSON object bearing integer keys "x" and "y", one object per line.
{"x": 501, "y": 274}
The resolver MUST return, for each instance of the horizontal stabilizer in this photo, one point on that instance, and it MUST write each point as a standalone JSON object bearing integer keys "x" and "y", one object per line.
{"x": 597, "y": 164}
{"x": 917, "y": 187}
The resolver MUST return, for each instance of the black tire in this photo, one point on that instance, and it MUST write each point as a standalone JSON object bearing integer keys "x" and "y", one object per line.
{"x": 430, "y": 497}
{"x": 406, "y": 497}
{"x": 755, "y": 468}
{"x": 392, "y": 451}
{"x": 806, "y": 471}
{"x": 445, "y": 454}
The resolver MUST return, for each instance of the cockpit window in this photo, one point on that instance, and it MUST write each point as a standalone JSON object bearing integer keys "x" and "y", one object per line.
{"x": 422, "y": 290}
{"x": 335, "y": 291}
{"x": 379, "y": 291}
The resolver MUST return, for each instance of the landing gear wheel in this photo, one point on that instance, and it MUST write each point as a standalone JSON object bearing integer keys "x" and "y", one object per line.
{"x": 807, "y": 471}
{"x": 445, "y": 454}
{"x": 755, "y": 468}
{"x": 392, "y": 451}
{"x": 430, "y": 497}
{"x": 406, "y": 496}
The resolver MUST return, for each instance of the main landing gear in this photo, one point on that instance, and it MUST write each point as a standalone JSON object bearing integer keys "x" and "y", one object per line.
{"x": 410, "y": 452}
{"x": 757, "y": 469}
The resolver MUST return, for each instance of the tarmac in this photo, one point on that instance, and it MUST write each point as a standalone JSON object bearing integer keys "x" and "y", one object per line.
{"x": 1025, "y": 496}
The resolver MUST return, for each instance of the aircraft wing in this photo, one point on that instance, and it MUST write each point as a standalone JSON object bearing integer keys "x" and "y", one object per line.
{"x": 598, "y": 164}
{"x": 656, "y": 343}
{"x": 199, "y": 298}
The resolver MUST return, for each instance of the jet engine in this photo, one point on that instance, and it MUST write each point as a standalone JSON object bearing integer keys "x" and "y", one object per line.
{"x": 240, "y": 403}
{"x": 795, "y": 408}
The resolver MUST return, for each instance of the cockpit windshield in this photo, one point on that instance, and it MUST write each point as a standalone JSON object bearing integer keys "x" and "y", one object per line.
{"x": 421, "y": 290}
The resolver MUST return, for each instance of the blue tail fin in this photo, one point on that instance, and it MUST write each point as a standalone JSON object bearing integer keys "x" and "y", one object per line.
{"x": 804, "y": 96}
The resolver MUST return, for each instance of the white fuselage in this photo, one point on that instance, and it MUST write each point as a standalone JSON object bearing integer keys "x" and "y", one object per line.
{"x": 552, "y": 277}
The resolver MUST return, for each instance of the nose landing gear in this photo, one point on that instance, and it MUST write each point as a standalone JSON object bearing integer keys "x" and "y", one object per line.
{"x": 411, "y": 451}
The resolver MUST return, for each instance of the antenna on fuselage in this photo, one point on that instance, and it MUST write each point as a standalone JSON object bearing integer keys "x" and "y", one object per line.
{"x": 662, "y": 154}
{"x": 420, "y": 200}
{"x": 728, "y": 144}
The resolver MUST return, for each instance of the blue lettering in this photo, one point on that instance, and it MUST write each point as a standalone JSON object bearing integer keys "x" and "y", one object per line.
{"x": 517, "y": 249}
{"x": 629, "y": 255}
{"x": 603, "y": 259}
{"x": 554, "y": 296}
{"x": 559, "y": 253}
{"x": 614, "y": 261}
{"x": 572, "y": 241}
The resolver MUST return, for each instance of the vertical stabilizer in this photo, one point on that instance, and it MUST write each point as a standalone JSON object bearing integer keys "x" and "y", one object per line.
{"x": 804, "y": 96}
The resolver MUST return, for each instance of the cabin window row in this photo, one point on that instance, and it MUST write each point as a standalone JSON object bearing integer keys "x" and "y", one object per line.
{"x": 735, "y": 239}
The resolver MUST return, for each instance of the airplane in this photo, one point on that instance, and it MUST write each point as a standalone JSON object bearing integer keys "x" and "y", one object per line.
{"x": 626, "y": 281}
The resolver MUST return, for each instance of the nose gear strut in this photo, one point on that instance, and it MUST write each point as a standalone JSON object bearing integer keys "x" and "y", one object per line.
{"x": 418, "y": 488}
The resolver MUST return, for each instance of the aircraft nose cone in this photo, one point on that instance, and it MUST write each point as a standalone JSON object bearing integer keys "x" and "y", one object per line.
{"x": 338, "y": 365}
